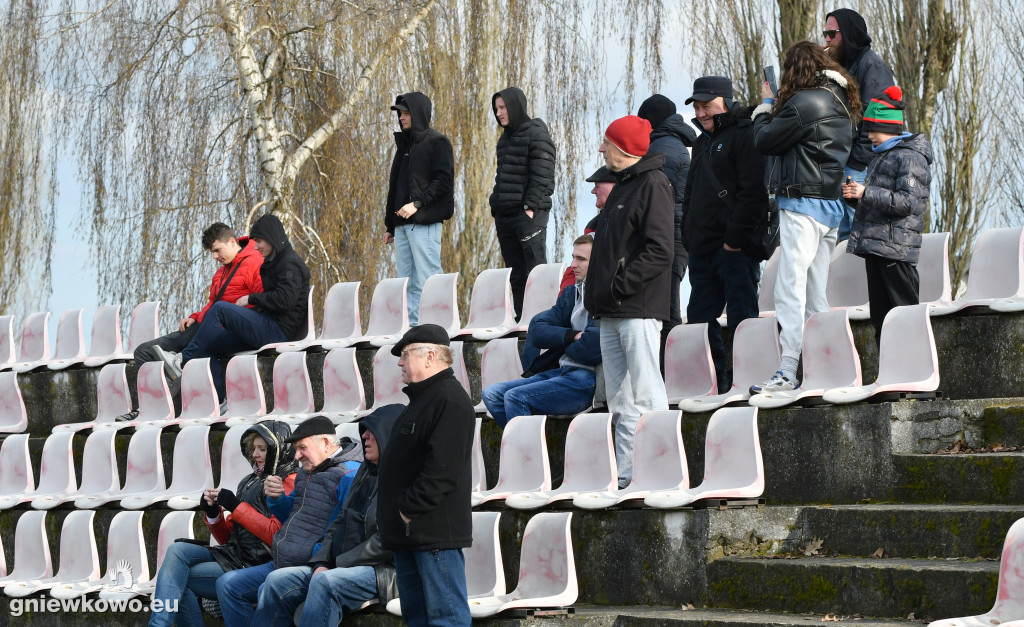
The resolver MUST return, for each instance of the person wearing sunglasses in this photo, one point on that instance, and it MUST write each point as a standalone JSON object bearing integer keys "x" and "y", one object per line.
{"x": 848, "y": 43}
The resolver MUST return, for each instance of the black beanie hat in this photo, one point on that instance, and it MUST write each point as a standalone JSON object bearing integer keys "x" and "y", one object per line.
{"x": 656, "y": 110}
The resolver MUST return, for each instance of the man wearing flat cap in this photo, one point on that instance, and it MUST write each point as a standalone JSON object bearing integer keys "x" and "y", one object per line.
{"x": 423, "y": 504}
{"x": 628, "y": 282}
{"x": 723, "y": 205}
{"x": 603, "y": 181}
{"x": 327, "y": 469}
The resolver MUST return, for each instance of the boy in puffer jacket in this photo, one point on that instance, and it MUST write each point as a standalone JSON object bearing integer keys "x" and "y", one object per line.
{"x": 890, "y": 207}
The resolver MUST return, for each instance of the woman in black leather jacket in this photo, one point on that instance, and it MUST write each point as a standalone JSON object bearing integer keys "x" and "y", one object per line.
{"x": 806, "y": 132}
{"x": 190, "y": 570}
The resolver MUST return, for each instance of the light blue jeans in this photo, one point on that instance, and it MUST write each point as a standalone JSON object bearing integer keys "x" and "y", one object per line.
{"x": 632, "y": 377}
{"x": 847, "y": 223}
{"x": 418, "y": 256}
{"x": 327, "y": 595}
{"x": 188, "y": 571}
{"x": 560, "y": 391}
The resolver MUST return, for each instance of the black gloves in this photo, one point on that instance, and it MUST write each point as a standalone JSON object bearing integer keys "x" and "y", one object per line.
{"x": 227, "y": 500}
{"x": 211, "y": 511}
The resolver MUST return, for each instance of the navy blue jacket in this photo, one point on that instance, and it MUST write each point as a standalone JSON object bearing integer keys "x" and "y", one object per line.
{"x": 552, "y": 329}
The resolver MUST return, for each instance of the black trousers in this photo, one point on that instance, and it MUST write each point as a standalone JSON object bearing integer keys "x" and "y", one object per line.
{"x": 890, "y": 284}
{"x": 523, "y": 242}
{"x": 173, "y": 342}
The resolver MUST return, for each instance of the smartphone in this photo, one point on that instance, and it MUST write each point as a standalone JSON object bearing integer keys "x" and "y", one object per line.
{"x": 769, "y": 76}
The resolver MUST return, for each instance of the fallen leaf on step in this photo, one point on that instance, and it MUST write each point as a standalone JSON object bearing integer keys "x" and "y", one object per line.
{"x": 813, "y": 546}
{"x": 910, "y": 616}
{"x": 879, "y": 553}
{"x": 829, "y": 618}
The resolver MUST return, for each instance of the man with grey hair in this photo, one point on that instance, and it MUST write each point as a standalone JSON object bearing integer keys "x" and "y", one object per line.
{"x": 423, "y": 506}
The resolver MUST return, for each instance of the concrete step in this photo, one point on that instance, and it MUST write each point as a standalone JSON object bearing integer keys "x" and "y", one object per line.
{"x": 963, "y": 478}
{"x": 943, "y": 531}
{"x": 585, "y": 616}
{"x": 879, "y": 588}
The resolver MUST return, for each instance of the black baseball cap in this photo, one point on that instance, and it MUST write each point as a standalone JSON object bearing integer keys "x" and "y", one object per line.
{"x": 400, "y": 104}
{"x": 707, "y": 88}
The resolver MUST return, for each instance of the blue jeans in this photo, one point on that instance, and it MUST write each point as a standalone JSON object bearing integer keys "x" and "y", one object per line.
{"x": 188, "y": 571}
{"x": 559, "y": 391}
{"x": 432, "y": 587}
{"x": 326, "y": 595}
{"x": 228, "y": 329}
{"x": 847, "y": 223}
{"x": 632, "y": 377}
{"x": 238, "y": 591}
{"x": 716, "y": 279}
{"x": 418, "y": 255}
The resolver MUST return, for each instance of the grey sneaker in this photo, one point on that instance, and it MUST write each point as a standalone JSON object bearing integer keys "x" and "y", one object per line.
{"x": 130, "y": 416}
{"x": 171, "y": 366}
{"x": 223, "y": 407}
{"x": 777, "y": 383}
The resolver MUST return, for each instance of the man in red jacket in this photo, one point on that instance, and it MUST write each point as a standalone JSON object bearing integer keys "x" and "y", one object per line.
{"x": 238, "y": 276}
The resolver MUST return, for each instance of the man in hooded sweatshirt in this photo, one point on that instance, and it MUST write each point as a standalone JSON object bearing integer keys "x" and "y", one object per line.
{"x": 278, "y": 314}
{"x": 523, "y": 184}
{"x": 670, "y": 135}
{"x": 351, "y": 566}
{"x": 848, "y": 43}
{"x": 420, "y": 195}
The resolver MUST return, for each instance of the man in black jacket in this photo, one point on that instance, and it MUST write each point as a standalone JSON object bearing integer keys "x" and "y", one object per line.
{"x": 523, "y": 184}
{"x": 628, "y": 280}
{"x": 670, "y": 137}
{"x": 420, "y": 195}
{"x": 423, "y": 506}
{"x": 351, "y": 566}
{"x": 278, "y": 314}
{"x": 719, "y": 227}
{"x": 848, "y": 43}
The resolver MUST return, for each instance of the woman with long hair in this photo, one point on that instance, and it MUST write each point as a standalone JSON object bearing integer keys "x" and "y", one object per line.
{"x": 806, "y": 131}
{"x": 189, "y": 569}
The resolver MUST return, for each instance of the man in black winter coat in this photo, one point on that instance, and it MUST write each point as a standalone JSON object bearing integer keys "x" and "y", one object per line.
{"x": 719, "y": 228}
{"x": 351, "y": 567}
{"x": 628, "y": 280}
{"x": 420, "y": 195}
{"x": 278, "y": 314}
{"x": 423, "y": 506}
{"x": 523, "y": 184}
{"x": 670, "y": 136}
{"x": 848, "y": 43}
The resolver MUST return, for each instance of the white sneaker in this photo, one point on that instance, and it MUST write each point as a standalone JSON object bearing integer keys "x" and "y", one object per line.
{"x": 171, "y": 366}
{"x": 777, "y": 383}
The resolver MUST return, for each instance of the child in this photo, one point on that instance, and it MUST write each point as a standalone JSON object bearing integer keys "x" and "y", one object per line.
{"x": 890, "y": 207}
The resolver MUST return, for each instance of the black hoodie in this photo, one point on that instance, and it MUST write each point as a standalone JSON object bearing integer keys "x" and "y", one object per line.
{"x": 873, "y": 75}
{"x": 353, "y": 539}
{"x": 285, "y": 280}
{"x": 525, "y": 178}
{"x": 423, "y": 170}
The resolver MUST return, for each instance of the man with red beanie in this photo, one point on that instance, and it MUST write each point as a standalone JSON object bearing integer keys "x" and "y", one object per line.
{"x": 629, "y": 280}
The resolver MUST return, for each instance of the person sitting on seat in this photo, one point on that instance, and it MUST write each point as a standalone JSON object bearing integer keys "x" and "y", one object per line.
{"x": 328, "y": 467}
{"x": 190, "y": 570}
{"x": 351, "y": 566}
{"x": 278, "y": 314}
{"x": 562, "y": 379}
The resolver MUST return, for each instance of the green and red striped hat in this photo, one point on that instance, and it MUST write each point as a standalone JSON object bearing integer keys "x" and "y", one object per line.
{"x": 885, "y": 113}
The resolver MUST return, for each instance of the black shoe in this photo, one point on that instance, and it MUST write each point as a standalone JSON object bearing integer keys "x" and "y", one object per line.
{"x": 129, "y": 417}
